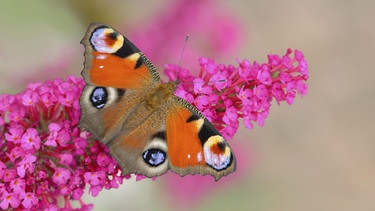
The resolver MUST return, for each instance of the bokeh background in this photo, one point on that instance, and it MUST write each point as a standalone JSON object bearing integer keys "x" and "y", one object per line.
{"x": 318, "y": 154}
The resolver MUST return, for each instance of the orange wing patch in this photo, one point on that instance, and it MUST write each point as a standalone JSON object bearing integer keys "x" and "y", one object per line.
{"x": 184, "y": 146}
{"x": 113, "y": 71}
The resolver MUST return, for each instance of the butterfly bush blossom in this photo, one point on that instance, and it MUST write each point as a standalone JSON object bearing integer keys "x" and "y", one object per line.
{"x": 226, "y": 93}
{"x": 47, "y": 161}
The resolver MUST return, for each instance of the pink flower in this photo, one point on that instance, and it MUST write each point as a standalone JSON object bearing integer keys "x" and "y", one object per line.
{"x": 63, "y": 138}
{"x": 18, "y": 185}
{"x": 14, "y": 135}
{"x": 30, "y": 139}
{"x": 61, "y": 176}
{"x": 44, "y": 155}
{"x": 77, "y": 194}
{"x": 29, "y": 98}
{"x": 26, "y": 165}
{"x": 230, "y": 116}
{"x": 103, "y": 159}
{"x": 66, "y": 159}
{"x": 29, "y": 200}
{"x": 246, "y": 91}
{"x": 9, "y": 175}
{"x": 9, "y": 200}
{"x": 54, "y": 128}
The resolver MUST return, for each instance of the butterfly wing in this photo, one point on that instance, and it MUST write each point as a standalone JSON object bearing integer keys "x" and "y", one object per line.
{"x": 114, "y": 101}
{"x": 194, "y": 144}
{"x": 179, "y": 138}
{"x": 117, "y": 76}
{"x": 142, "y": 149}
{"x": 112, "y": 60}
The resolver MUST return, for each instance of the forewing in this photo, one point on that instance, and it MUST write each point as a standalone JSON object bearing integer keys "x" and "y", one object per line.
{"x": 117, "y": 76}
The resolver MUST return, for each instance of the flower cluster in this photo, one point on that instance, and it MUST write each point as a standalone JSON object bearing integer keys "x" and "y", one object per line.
{"x": 225, "y": 93}
{"x": 45, "y": 158}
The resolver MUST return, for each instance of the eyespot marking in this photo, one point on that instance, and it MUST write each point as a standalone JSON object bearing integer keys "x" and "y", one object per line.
{"x": 154, "y": 157}
{"x": 106, "y": 40}
{"x": 99, "y": 97}
{"x": 113, "y": 36}
{"x": 217, "y": 153}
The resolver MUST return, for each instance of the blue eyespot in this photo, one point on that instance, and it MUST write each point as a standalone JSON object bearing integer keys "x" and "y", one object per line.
{"x": 99, "y": 97}
{"x": 154, "y": 157}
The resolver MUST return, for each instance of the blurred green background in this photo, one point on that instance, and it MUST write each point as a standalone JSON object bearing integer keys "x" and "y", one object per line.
{"x": 317, "y": 154}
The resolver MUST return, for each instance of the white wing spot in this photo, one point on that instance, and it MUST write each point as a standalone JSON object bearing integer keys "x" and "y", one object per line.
{"x": 199, "y": 157}
{"x": 101, "y": 56}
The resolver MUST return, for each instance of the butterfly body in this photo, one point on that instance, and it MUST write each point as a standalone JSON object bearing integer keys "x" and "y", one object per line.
{"x": 145, "y": 126}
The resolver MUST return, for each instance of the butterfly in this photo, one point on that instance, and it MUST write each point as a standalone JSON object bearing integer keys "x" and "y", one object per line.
{"x": 147, "y": 128}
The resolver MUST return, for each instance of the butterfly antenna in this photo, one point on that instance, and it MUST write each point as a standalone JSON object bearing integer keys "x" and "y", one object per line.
{"x": 182, "y": 53}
